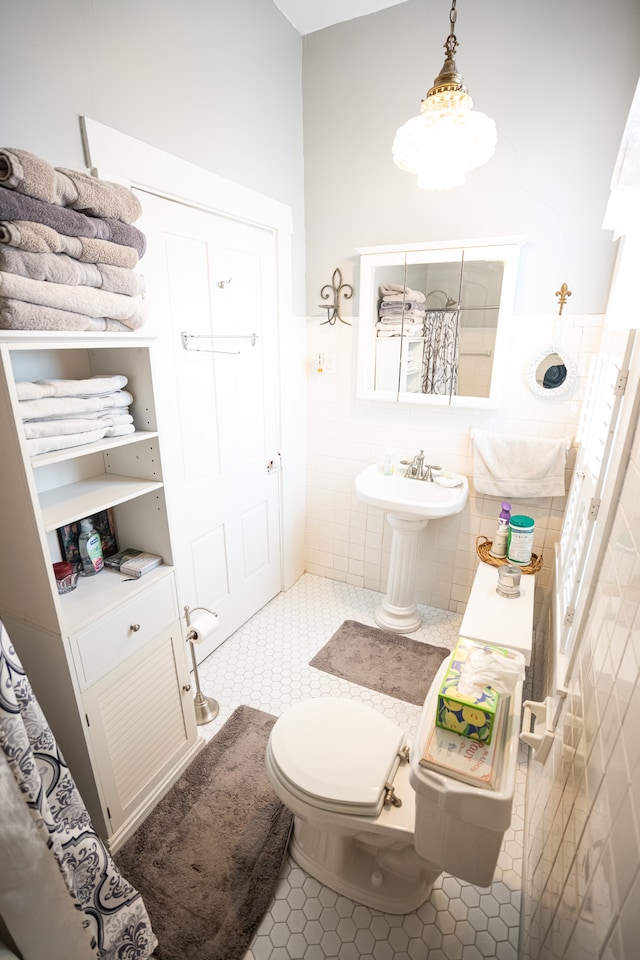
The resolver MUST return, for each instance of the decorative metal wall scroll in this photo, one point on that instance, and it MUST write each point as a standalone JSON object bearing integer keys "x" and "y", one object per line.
{"x": 338, "y": 289}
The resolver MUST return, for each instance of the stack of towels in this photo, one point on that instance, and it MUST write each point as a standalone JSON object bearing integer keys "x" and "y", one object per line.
{"x": 68, "y": 249}
{"x": 401, "y": 311}
{"x": 57, "y": 414}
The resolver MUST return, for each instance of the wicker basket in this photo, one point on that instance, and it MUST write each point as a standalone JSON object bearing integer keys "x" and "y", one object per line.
{"x": 483, "y": 545}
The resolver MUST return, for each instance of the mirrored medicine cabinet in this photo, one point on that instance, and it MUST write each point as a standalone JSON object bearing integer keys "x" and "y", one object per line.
{"x": 433, "y": 319}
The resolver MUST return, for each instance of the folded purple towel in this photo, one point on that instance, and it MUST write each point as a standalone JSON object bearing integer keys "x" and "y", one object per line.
{"x": 39, "y": 238}
{"x": 390, "y": 306}
{"x": 17, "y": 206}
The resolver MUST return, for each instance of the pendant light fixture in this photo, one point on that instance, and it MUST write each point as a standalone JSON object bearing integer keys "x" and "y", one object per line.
{"x": 449, "y": 138}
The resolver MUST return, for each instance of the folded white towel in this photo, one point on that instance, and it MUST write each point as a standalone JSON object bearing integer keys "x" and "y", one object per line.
{"x": 92, "y": 387}
{"x": 59, "y": 427}
{"x": 119, "y": 430}
{"x": 48, "y": 444}
{"x": 508, "y": 466}
{"x": 50, "y": 407}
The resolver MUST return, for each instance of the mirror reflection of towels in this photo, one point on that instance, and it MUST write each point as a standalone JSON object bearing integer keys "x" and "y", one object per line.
{"x": 555, "y": 376}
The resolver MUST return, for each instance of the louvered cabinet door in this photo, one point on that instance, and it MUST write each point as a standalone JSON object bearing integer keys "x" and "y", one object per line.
{"x": 140, "y": 725}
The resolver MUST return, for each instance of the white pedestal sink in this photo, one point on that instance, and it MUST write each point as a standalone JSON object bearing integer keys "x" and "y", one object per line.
{"x": 409, "y": 505}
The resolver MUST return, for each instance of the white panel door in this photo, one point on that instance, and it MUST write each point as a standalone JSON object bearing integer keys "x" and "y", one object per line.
{"x": 214, "y": 279}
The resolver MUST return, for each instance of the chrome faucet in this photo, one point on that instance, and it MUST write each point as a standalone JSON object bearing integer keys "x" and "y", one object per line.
{"x": 417, "y": 469}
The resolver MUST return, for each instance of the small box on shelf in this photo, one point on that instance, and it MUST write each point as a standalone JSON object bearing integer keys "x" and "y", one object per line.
{"x": 140, "y": 564}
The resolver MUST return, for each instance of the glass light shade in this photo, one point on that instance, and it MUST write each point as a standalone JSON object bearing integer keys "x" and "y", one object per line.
{"x": 446, "y": 141}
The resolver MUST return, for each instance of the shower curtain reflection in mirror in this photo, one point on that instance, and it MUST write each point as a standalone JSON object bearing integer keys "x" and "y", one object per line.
{"x": 441, "y": 353}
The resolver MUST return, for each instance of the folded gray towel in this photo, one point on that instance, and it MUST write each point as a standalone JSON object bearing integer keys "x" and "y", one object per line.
{"x": 34, "y": 177}
{"x": 61, "y": 268}
{"x": 85, "y": 300}
{"x": 38, "y": 238}
{"x": 20, "y": 315}
{"x": 397, "y": 306}
{"x": 17, "y": 206}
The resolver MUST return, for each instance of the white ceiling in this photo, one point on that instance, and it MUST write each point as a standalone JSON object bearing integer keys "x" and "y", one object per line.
{"x": 310, "y": 15}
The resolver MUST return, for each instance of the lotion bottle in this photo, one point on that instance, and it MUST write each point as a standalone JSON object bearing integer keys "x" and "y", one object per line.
{"x": 90, "y": 549}
{"x": 499, "y": 546}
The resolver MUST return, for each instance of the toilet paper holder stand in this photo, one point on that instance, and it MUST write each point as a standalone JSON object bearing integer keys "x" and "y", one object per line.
{"x": 207, "y": 708}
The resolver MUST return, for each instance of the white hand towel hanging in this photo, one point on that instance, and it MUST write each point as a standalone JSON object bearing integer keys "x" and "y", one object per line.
{"x": 510, "y": 466}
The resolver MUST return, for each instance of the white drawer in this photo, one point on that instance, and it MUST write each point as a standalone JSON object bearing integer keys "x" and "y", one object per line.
{"x": 119, "y": 634}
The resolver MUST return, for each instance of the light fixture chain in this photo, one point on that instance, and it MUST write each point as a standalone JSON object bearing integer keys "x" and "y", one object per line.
{"x": 453, "y": 15}
{"x": 451, "y": 43}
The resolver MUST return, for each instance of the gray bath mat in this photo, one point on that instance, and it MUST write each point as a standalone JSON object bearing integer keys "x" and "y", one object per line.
{"x": 207, "y": 858}
{"x": 380, "y": 660}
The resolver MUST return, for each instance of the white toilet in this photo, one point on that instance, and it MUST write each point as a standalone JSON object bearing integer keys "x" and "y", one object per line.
{"x": 341, "y": 767}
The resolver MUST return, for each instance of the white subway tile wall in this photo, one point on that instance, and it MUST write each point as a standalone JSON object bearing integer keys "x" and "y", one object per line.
{"x": 351, "y": 542}
{"x": 582, "y": 823}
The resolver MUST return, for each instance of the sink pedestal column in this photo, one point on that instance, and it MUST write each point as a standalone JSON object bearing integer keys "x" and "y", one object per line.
{"x": 398, "y": 610}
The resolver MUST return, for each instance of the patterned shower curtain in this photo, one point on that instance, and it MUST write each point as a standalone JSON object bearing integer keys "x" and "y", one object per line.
{"x": 109, "y": 908}
{"x": 440, "y": 357}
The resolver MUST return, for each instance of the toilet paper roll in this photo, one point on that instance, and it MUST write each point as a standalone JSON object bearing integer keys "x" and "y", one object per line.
{"x": 203, "y": 624}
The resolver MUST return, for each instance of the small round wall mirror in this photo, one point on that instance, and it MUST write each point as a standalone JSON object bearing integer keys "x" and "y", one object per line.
{"x": 551, "y": 374}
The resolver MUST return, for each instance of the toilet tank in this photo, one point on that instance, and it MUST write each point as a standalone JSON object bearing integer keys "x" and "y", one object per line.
{"x": 459, "y": 828}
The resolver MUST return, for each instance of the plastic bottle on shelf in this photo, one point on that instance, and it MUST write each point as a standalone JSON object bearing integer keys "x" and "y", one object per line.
{"x": 499, "y": 546}
{"x": 90, "y": 549}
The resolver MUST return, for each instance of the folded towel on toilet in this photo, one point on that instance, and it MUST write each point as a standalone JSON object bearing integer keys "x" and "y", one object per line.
{"x": 510, "y": 466}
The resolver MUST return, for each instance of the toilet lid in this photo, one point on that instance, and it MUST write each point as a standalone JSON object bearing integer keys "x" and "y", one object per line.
{"x": 335, "y": 750}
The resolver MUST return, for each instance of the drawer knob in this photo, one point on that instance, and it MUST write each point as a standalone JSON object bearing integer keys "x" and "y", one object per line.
{"x": 186, "y": 687}
{"x": 134, "y": 627}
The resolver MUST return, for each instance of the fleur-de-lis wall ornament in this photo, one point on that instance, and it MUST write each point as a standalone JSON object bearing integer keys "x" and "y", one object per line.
{"x": 338, "y": 289}
{"x": 562, "y": 294}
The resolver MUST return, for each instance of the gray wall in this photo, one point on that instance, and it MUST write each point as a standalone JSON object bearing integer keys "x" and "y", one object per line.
{"x": 215, "y": 82}
{"x": 557, "y": 78}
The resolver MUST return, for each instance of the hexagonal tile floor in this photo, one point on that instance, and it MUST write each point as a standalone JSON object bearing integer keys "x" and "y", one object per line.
{"x": 265, "y": 665}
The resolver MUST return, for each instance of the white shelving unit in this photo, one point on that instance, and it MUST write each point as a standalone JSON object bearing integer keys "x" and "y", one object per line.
{"x": 107, "y": 661}
{"x": 399, "y": 364}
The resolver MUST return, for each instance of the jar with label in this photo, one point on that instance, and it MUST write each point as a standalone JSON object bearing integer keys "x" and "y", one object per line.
{"x": 66, "y": 577}
{"x": 520, "y": 541}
